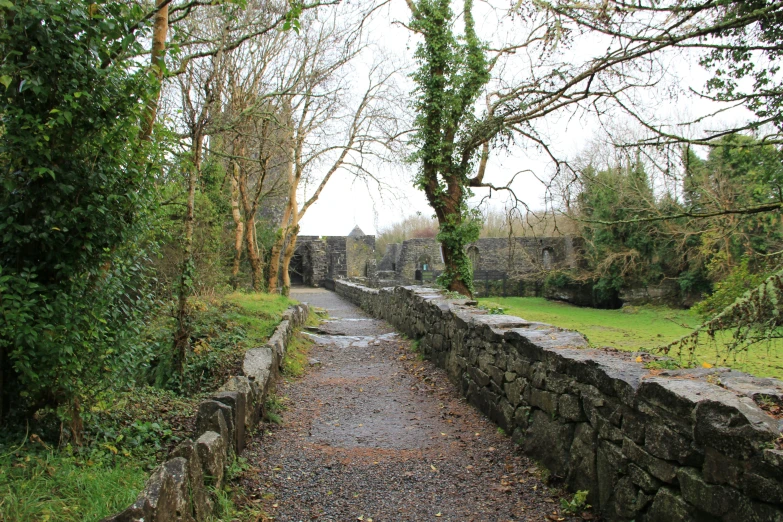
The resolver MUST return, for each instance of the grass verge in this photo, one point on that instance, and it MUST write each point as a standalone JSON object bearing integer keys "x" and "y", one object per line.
{"x": 128, "y": 432}
{"x": 643, "y": 328}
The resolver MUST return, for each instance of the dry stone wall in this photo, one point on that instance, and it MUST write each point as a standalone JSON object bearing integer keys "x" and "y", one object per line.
{"x": 180, "y": 488}
{"x": 680, "y": 445}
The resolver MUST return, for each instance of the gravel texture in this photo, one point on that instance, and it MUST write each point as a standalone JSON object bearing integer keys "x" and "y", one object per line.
{"x": 373, "y": 433}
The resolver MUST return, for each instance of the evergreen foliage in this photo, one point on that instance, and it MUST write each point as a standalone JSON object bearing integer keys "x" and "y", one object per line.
{"x": 76, "y": 190}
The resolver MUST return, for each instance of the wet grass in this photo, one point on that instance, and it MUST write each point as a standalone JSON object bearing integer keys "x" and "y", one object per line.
{"x": 643, "y": 328}
{"x": 261, "y": 313}
{"x": 52, "y": 485}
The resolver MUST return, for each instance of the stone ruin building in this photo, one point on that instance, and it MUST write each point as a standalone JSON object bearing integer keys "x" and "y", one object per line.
{"x": 520, "y": 264}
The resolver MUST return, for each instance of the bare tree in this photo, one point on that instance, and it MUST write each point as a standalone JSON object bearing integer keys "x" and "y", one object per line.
{"x": 330, "y": 127}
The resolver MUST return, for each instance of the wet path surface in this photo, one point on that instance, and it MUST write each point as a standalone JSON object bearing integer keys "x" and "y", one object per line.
{"x": 373, "y": 433}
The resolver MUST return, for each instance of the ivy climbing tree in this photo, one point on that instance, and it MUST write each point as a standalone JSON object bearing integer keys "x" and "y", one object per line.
{"x": 452, "y": 74}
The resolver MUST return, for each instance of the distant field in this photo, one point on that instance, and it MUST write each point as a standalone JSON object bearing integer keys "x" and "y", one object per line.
{"x": 642, "y": 328}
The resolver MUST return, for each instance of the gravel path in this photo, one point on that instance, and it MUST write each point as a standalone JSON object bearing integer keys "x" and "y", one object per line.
{"x": 373, "y": 433}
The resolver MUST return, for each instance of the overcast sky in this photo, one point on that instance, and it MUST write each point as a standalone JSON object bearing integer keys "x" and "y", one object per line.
{"x": 346, "y": 202}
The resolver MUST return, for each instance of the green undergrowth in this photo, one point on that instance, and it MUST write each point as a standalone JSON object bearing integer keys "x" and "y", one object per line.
{"x": 127, "y": 432}
{"x": 45, "y": 485}
{"x": 296, "y": 358}
{"x": 259, "y": 314}
{"x": 644, "y": 328}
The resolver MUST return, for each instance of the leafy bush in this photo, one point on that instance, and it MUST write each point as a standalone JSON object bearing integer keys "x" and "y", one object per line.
{"x": 76, "y": 183}
{"x": 739, "y": 281}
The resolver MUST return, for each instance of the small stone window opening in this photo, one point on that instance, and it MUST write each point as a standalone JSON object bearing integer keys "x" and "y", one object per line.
{"x": 547, "y": 258}
{"x": 475, "y": 257}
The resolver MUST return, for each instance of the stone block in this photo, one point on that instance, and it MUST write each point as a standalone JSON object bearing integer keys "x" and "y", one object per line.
{"x": 558, "y": 383}
{"x": 611, "y": 464}
{"x": 644, "y": 480}
{"x": 582, "y": 472}
{"x": 665, "y": 443}
{"x": 213, "y": 455}
{"x": 514, "y": 390}
{"x": 569, "y": 407}
{"x": 478, "y": 376}
{"x": 496, "y": 374}
{"x": 633, "y": 426}
{"x": 521, "y": 367}
{"x": 235, "y": 401}
{"x": 506, "y": 415}
{"x": 735, "y": 429}
{"x": 260, "y": 365}
{"x": 216, "y": 416}
{"x": 549, "y": 442}
{"x": 720, "y": 469}
{"x": 522, "y": 417}
{"x": 716, "y": 500}
{"x": 756, "y": 485}
{"x": 628, "y": 499}
{"x": 545, "y": 400}
{"x": 658, "y": 468}
{"x": 164, "y": 498}
{"x": 253, "y": 404}
{"x": 200, "y": 504}
{"x": 668, "y": 506}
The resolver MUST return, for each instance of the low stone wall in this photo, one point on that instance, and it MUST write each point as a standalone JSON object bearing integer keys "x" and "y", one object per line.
{"x": 179, "y": 489}
{"x": 679, "y": 445}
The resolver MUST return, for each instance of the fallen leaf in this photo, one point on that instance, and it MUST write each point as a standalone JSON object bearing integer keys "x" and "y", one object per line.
{"x": 706, "y": 365}
{"x": 438, "y": 514}
{"x": 639, "y": 358}
{"x": 433, "y": 468}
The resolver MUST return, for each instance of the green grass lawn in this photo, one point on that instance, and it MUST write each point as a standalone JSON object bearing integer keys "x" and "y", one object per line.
{"x": 642, "y": 328}
{"x": 262, "y": 313}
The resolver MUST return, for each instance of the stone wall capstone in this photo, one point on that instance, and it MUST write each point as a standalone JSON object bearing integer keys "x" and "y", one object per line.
{"x": 672, "y": 446}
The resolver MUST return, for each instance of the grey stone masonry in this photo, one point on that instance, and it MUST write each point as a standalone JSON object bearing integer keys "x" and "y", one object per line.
{"x": 681, "y": 445}
{"x": 181, "y": 488}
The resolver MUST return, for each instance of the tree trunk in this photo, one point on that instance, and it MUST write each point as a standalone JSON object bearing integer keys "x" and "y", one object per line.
{"x": 452, "y": 235}
{"x": 277, "y": 248}
{"x": 287, "y": 256}
{"x": 256, "y": 264}
{"x": 290, "y": 233}
{"x": 182, "y": 333}
{"x": 240, "y": 227}
{"x": 160, "y": 28}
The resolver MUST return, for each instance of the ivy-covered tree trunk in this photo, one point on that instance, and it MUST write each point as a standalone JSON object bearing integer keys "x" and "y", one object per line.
{"x": 182, "y": 333}
{"x": 452, "y": 73}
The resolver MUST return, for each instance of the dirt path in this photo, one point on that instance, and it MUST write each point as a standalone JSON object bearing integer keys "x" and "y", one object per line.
{"x": 372, "y": 433}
